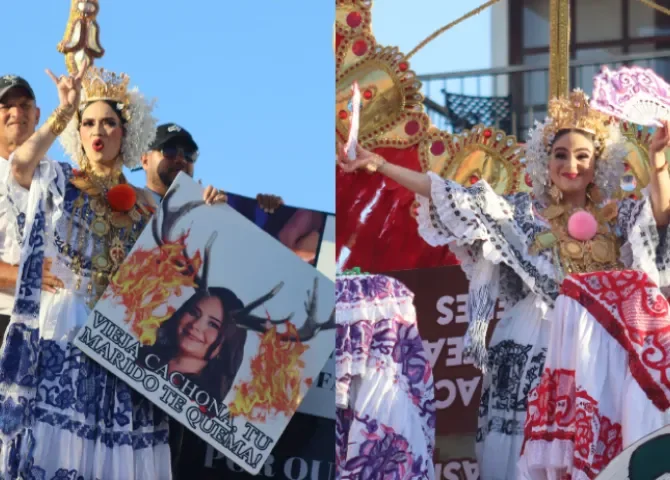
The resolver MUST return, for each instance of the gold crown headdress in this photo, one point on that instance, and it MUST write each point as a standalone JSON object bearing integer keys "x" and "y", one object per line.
{"x": 140, "y": 128}
{"x": 100, "y": 84}
{"x": 574, "y": 113}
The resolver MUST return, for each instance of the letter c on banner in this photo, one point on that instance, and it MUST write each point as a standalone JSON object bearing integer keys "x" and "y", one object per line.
{"x": 449, "y": 386}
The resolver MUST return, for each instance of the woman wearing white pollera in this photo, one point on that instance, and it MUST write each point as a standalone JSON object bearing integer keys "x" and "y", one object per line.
{"x": 61, "y": 414}
{"x": 520, "y": 248}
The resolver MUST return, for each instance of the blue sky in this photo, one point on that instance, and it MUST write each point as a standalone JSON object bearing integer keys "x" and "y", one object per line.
{"x": 405, "y": 24}
{"x": 466, "y": 46}
{"x": 253, "y": 82}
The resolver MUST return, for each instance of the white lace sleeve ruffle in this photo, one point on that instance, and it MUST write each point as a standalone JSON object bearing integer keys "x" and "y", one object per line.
{"x": 645, "y": 246}
{"x": 11, "y": 207}
{"x": 48, "y": 187}
{"x": 479, "y": 225}
{"x": 490, "y": 235}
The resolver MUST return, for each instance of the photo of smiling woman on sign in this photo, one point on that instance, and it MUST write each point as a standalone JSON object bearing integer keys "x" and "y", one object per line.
{"x": 201, "y": 342}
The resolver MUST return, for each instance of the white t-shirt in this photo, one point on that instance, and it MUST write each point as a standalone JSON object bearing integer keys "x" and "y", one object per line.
{"x": 9, "y": 247}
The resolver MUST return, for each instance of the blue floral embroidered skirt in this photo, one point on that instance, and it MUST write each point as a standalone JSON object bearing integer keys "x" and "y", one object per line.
{"x": 77, "y": 421}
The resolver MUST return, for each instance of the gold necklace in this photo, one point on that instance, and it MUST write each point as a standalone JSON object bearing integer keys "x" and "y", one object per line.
{"x": 112, "y": 229}
{"x": 600, "y": 253}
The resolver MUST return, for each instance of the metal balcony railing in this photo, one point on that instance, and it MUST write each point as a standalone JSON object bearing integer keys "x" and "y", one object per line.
{"x": 512, "y": 98}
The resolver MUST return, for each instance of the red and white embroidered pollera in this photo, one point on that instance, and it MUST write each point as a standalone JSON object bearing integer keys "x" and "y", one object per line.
{"x": 605, "y": 383}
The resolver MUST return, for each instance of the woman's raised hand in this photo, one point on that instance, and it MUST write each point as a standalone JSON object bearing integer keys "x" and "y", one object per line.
{"x": 661, "y": 139}
{"x": 69, "y": 87}
{"x": 364, "y": 159}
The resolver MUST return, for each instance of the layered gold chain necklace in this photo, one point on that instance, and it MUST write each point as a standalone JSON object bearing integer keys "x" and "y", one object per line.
{"x": 572, "y": 255}
{"x": 113, "y": 230}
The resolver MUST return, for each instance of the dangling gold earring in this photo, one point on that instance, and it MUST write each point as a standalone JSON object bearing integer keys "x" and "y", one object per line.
{"x": 555, "y": 193}
{"x": 594, "y": 194}
{"x": 83, "y": 163}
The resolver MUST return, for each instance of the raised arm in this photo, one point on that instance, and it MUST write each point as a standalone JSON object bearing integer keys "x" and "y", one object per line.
{"x": 27, "y": 157}
{"x": 417, "y": 182}
{"x": 659, "y": 179}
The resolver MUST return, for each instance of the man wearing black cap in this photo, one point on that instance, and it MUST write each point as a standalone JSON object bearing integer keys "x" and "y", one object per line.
{"x": 19, "y": 116}
{"x": 174, "y": 151}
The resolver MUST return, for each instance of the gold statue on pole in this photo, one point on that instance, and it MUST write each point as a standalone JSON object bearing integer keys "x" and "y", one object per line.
{"x": 82, "y": 35}
{"x": 559, "y": 48}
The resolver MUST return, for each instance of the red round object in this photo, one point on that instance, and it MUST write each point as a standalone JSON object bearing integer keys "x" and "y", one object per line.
{"x": 474, "y": 179}
{"x": 437, "y": 148}
{"x": 360, "y": 47}
{"x": 343, "y": 114}
{"x": 529, "y": 182}
{"x": 412, "y": 127}
{"x": 487, "y": 133}
{"x": 403, "y": 66}
{"x": 367, "y": 94}
{"x": 122, "y": 197}
{"x": 354, "y": 19}
{"x": 626, "y": 168}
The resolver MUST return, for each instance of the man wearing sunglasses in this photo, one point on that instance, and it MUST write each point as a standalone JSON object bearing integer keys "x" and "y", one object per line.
{"x": 174, "y": 151}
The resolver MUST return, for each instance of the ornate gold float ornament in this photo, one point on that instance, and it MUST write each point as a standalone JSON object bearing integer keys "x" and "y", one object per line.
{"x": 392, "y": 111}
{"x": 82, "y": 35}
{"x": 479, "y": 153}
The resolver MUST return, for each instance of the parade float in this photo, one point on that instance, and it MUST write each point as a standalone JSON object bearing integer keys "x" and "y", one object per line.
{"x": 376, "y": 228}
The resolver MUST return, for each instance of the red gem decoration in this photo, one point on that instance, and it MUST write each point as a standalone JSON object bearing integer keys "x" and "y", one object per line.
{"x": 474, "y": 179}
{"x": 529, "y": 182}
{"x": 343, "y": 114}
{"x": 412, "y": 127}
{"x": 437, "y": 148}
{"x": 367, "y": 94}
{"x": 487, "y": 133}
{"x": 359, "y": 48}
{"x": 626, "y": 168}
{"x": 122, "y": 197}
{"x": 354, "y": 19}
{"x": 403, "y": 66}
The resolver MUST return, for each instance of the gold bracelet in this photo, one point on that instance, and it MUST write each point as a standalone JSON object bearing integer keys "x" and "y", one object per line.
{"x": 377, "y": 163}
{"x": 663, "y": 167}
{"x": 59, "y": 120}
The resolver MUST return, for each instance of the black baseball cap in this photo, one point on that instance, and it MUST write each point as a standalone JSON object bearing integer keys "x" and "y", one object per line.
{"x": 9, "y": 82}
{"x": 173, "y": 133}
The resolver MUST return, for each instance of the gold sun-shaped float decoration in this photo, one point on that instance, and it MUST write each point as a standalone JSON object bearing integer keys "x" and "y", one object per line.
{"x": 393, "y": 115}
